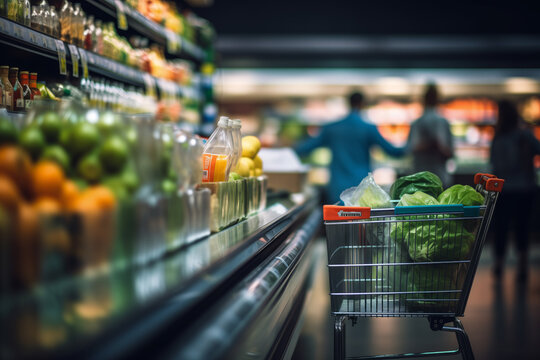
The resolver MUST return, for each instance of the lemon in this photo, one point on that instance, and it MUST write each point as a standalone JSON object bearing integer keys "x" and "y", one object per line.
{"x": 244, "y": 166}
{"x": 258, "y": 162}
{"x": 250, "y": 146}
{"x": 258, "y": 172}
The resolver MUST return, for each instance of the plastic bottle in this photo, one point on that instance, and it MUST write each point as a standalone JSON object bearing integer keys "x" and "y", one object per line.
{"x": 237, "y": 141}
{"x": 217, "y": 154}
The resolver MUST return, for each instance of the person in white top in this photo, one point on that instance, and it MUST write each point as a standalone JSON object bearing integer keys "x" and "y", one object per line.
{"x": 430, "y": 140}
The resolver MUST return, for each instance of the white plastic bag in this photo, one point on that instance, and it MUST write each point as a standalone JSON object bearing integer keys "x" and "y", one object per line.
{"x": 367, "y": 193}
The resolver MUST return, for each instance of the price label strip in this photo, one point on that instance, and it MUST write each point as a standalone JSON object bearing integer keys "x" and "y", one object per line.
{"x": 173, "y": 42}
{"x": 84, "y": 63}
{"x": 74, "y": 60}
{"x": 150, "y": 83}
{"x": 121, "y": 15}
{"x": 60, "y": 48}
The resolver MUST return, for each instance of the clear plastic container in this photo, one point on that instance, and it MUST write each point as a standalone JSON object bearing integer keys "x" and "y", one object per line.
{"x": 237, "y": 141}
{"x": 217, "y": 154}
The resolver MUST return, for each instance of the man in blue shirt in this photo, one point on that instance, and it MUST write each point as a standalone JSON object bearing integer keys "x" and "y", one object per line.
{"x": 350, "y": 140}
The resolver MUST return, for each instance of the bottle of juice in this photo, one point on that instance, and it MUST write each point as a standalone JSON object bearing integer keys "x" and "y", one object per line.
{"x": 217, "y": 154}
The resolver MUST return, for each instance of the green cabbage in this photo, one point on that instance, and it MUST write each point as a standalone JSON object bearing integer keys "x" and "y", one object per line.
{"x": 418, "y": 198}
{"x": 424, "y": 181}
{"x": 430, "y": 239}
{"x": 461, "y": 194}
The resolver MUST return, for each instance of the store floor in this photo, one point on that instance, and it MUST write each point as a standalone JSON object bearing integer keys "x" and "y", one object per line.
{"x": 503, "y": 322}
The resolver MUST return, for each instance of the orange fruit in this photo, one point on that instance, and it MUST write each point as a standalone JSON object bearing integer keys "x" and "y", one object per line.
{"x": 69, "y": 192}
{"x": 84, "y": 203}
{"x": 9, "y": 194}
{"x": 103, "y": 196}
{"x": 47, "y": 206}
{"x": 16, "y": 164}
{"x": 26, "y": 247}
{"x": 47, "y": 179}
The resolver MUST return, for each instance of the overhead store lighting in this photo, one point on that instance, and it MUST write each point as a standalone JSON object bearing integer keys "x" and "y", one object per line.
{"x": 393, "y": 86}
{"x": 521, "y": 85}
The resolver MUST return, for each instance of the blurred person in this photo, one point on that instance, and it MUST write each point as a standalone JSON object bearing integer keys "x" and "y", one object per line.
{"x": 350, "y": 140}
{"x": 511, "y": 156}
{"x": 430, "y": 140}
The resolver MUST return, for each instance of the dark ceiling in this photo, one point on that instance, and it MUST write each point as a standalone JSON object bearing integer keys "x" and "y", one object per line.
{"x": 349, "y": 33}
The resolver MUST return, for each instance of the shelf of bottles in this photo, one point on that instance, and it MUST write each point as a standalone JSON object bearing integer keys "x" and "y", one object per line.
{"x": 89, "y": 46}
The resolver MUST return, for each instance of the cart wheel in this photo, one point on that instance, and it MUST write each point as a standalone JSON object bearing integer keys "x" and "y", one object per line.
{"x": 339, "y": 337}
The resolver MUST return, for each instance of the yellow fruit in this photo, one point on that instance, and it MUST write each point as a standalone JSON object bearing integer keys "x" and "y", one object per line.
{"x": 252, "y": 173}
{"x": 258, "y": 172}
{"x": 250, "y": 146}
{"x": 258, "y": 162}
{"x": 244, "y": 166}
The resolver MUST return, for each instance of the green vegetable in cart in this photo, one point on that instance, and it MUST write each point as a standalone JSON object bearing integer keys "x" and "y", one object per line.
{"x": 432, "y": 239}
{"x": 461, "y": 194}
{"x": 424, "y": 181}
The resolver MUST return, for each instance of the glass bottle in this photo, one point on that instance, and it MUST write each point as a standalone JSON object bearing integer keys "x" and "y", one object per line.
{"x": 20, "y": 12}
{"x": 18, "y": 98}
{"x": 76, "y": 23}
{"x": 65, "y": 21}
{"x": 27, "y": 92}
{"x": 54, "y": 22}
{"x": 2, "y": 95}
{"x": 89, "y": 33}
{"x": 45, "y": 17}
{"x": 35, "y": 22}
{"x": 98, "y": 37}
{"x": 33, "y": 85}
{"x": 11, "y": 9}
{"x": 27, "y": 8}
{"x": 8, "y": 88}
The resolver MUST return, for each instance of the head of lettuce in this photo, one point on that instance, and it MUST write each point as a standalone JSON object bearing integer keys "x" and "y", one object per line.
{"x": 425, "y": 181}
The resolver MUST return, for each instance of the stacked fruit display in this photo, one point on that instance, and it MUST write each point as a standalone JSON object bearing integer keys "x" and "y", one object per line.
{"x": 250, "y": 164}
{"x": 81, "y": 189}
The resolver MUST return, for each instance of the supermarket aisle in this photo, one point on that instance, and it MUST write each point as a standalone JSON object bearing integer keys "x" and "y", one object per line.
{"x": 502, "y": 321}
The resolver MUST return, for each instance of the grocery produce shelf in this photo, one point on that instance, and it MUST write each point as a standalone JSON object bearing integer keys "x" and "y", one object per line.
{"x": 35, "y": 42}
{"x": 111, "y": 313}
{"x": 150, "y": 29}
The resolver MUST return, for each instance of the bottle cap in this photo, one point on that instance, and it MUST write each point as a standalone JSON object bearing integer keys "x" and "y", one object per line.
{"x": 237, "y": 123}
{"x": 223, "y": 121}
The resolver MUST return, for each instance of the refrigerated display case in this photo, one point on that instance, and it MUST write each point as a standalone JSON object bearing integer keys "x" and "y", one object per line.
{"x": 236, "y": 293}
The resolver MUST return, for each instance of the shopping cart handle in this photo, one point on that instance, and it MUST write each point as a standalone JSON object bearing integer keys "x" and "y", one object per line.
{"x": 336, "y": 212}
{"x": 489, "y": 181}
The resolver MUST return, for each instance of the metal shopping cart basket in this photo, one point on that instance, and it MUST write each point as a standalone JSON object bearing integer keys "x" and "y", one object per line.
{"x": 407, "y": 261}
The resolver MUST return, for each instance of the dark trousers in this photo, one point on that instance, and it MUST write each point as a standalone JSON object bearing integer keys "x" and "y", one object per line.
{"x": 513, "y": 211}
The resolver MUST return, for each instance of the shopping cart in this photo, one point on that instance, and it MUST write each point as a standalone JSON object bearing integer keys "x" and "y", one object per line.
{"x": 410, "y": 261}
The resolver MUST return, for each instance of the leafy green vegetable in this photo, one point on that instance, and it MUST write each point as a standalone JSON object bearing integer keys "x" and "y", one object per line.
{"x": 423, "y": 279}
{"x": 461, "y": 194}
{"x": 429, "y": 237}
{"x": 424, "y": 181}
{"x": 418, "y": 198}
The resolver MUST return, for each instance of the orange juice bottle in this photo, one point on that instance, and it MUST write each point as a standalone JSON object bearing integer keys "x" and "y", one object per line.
{"x": 217, "y": 153}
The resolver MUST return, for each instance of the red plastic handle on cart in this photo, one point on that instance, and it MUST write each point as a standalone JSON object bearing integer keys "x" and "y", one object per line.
{"x": 490, "y": 182}
{"x": 494, "y": 184}
{"x": 480, "y": 178}
{"x": 335, "y": 212}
